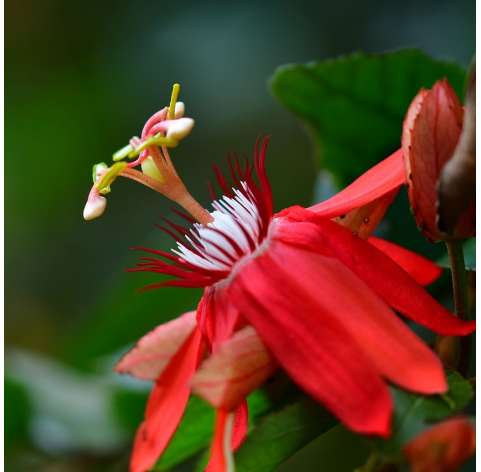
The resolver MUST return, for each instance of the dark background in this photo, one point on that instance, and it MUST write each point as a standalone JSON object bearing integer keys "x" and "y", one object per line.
{"x": 81, "y": 78}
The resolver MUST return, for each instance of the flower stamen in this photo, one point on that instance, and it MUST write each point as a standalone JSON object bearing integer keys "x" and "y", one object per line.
{"x": 164, "y": 129}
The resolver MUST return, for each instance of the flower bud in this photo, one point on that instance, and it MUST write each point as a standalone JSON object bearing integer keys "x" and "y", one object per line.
{"x": 431, "y": 131}
{"x": 444, "y": 447}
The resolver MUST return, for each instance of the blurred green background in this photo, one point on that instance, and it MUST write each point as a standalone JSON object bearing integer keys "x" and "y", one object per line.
{"x": 81, "y": 78}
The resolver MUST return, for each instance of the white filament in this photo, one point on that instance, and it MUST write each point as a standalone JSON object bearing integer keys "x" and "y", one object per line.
{"x": 233, "y": 217}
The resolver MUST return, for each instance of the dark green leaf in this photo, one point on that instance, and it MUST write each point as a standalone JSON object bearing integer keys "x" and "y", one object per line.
{"x": 355, "y": 104}
{"x": 129, "y": 406}
{"x": 414, "y": 413}
{"x": 337, "y": 450}
{"x": 280, "y": 435}
{"x": 18, "y": 411}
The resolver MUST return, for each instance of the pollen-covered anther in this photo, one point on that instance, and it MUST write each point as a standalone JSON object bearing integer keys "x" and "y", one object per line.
{"x": 180, "y": 128}
{"x": 179, "y": 110}
{"x": 95, "y": 205}
{"x": 102, "y": 176}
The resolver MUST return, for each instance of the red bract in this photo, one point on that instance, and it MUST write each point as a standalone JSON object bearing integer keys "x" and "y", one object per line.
{"x": 442, "y": 448}
{"x": 296, "y": 290}
{"x": 431, "y": 131}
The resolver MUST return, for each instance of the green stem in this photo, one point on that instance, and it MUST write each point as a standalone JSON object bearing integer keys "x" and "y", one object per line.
{"x": 459, "y": 280}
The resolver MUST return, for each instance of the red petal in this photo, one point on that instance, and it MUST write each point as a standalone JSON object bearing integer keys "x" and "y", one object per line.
{"x": 239, "y": 366}
{"x": 241, "y": 424}
{"x": 421, "y": 269}
{"x": 221, "y": 459}
{"x": 377, "y": 181}
{"x": 301, "y": 330}
{"x": 166, "y": 405}
{"x": 153, "y": 352}
{"x": 430, "y": 133}
{"x": 392, "y": 348}
{"x": 379, "y": 271}
{"x": 217, "y": 318}
{"x": 364, "y": 220}
{"x": 227, "y": 430}
{"x": 444, "y": 447}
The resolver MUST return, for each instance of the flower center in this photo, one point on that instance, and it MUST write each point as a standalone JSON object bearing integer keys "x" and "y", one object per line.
{"x": 215, "y": 242}
{"x": 234, "y": 233}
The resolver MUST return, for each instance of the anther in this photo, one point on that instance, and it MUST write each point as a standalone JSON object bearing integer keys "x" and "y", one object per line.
{"x": 95, "y": 205}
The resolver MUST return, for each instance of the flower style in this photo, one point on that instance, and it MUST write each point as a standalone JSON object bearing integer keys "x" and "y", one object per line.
{"x": 306, "y": 290}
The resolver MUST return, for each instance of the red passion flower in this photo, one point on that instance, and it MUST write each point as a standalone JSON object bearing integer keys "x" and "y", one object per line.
{"x": 305, "y": 289}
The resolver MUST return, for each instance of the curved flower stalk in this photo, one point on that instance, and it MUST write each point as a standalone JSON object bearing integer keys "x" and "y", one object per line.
{"x": 306, "y": 290}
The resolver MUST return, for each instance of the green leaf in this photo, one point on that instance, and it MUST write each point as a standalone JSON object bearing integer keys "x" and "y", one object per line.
{"x": 469, "y": 249}
{"x": 414, "y": 413}
{"x": 355, "y": 104}
{"x": 18, "y": 411}
{"x": 280, "y": 435}
{"x": 128, "y": 406}
{"x": 337, "y": 450}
